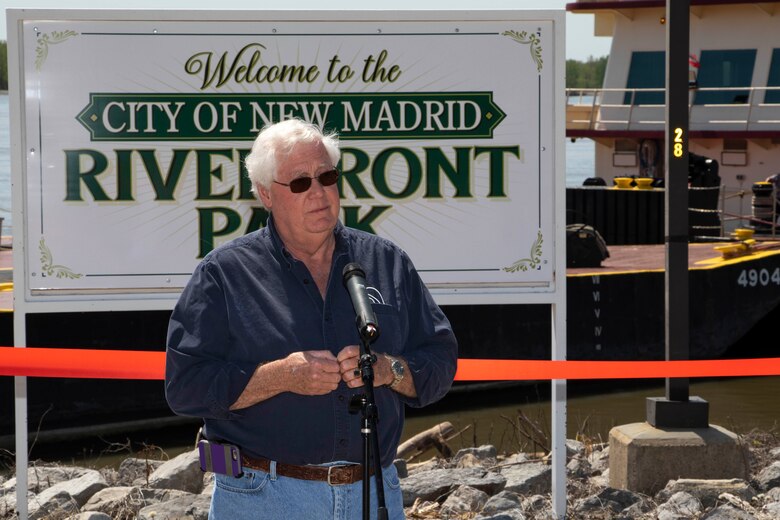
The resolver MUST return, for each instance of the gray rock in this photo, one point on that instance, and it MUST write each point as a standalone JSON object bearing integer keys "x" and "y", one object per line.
{"x": 680, "y": 506}
{"x": 503, "y": 501}
{"x": 728, "y": 512}
{"x": 507, "y": 515}
{"x": 114, "y": 499}
{"x": 8, "y": 503}
{"x": 154, "y": 496}
{"x": 578, "y": 468}
{"x": 485, "y": 455}
{"x": 56, "y": 504}
{"x": 40, "y": 477}
{"x": 126, "y": 501}
{"x": 468, "y": 461}
{"x": 516, "y": 458}
{"x": 574, "y": 448}
{"x": 707, "y": 491}
{"x": 600, "y": 481}
{"x": 90, "y": 515}
{"x": 775, "y": 453}
{"x": 182, "y": 472}
{"x": 67, "y": 496}
{"x": 428, "y": 465}
{"x": 133, "y": 470}
{"x": 636, "y": 510}
{"x": 769, "y": 477}
{"x": 773, "y": 510}
{"x": 433, "y": 485}
{"x": 773, "y": 495}
{"x": 528, "y": 478}
{"x": 608, "y": 500}
{"x": 599, "y": 460}
{"x": 193, "y": 507}
{"x": 537, "y": 506}
{"x": 464, "y": 499}
{"x": 208, "y": 484}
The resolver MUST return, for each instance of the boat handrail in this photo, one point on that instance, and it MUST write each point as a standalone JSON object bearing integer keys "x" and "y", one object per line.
{"x": 574, "y": 90}
{"x": 618, "y": 109}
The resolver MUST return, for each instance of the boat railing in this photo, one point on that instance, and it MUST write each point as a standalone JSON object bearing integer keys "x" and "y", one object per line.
{"x": 644, "y": 108}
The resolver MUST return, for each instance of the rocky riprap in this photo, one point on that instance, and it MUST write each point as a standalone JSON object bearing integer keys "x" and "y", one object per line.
{"x": 476, "y": 483}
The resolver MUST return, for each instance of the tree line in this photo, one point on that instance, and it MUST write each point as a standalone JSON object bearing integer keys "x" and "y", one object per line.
{"x": 579, "y": 74}
{"x": 586, "y": 74}
{"x": 3, "y": 65}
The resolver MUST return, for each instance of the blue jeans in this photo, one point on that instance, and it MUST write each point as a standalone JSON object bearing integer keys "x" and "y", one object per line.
{"x": 258, "y": 495}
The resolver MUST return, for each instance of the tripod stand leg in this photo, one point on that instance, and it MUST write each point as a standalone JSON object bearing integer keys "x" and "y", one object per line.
{"x": 380, "y": 482}
{"x": 366, "y": 431}
{"x": 371, "y": 454}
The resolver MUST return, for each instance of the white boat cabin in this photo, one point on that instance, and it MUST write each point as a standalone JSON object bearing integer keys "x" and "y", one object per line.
{"x": 734, "y": 110}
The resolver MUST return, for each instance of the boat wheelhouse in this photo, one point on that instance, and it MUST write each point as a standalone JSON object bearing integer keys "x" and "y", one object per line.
{"x": 734, "y": 94}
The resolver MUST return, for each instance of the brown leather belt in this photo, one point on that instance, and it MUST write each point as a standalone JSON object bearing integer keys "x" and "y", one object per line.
{"x": 333, "y": 475}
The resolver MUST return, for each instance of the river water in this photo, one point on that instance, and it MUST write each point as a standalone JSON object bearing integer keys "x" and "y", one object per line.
{"x": 489, "y": 415}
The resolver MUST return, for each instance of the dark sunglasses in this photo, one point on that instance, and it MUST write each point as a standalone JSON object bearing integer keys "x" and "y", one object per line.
{"x": 302, "y": 184}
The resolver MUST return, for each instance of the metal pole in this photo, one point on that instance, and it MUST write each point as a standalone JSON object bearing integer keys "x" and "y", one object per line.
{"x": 677, "y": 410}
{"x": 558, "y": 419}
{"x": 677, "y": 44}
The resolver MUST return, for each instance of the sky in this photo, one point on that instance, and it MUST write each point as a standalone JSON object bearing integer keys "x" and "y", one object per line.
{"x": 580, "y": 42}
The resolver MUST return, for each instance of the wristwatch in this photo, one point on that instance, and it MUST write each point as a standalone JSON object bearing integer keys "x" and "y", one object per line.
{"x": 398, "y": 370}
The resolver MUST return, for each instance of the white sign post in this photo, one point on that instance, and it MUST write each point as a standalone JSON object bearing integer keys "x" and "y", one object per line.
{"x": 129, "y": 129}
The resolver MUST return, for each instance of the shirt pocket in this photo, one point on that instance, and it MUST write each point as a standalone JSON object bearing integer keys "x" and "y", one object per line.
{"x": 392, "y": 338}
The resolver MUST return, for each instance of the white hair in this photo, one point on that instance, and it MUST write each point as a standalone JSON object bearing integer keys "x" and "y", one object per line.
{"x": 277, "y": 141}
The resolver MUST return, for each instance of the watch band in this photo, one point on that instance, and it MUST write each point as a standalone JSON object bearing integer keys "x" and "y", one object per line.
{"x": 398, "y": 371}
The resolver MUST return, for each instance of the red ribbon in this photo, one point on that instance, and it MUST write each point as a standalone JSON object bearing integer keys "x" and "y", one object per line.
{"x": 133, "y": 364}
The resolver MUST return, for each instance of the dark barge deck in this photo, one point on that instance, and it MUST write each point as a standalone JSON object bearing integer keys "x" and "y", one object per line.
{"x": 614, "y": 312}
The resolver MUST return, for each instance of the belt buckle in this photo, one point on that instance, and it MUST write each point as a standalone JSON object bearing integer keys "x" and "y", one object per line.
{"x": 330, "y": 469}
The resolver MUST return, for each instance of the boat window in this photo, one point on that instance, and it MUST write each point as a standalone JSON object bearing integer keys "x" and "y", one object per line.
{"x": 725, "y": 68}
{"x": 773, "y": 96}
{"x": 735, "y": 152}
{"x": 647, "y": 70}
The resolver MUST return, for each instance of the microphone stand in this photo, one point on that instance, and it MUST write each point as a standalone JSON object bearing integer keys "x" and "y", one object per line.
{"x": 365, "y": 402}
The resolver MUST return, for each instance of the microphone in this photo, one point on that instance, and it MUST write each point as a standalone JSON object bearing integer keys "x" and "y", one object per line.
{"x": 355, "y": 282}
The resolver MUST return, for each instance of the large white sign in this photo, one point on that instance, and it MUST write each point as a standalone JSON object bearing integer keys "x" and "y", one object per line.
{"x": 135, "y": 124}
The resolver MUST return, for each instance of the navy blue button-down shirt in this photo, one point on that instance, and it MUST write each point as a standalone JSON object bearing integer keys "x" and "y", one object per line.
{"x": 250, "y": 302}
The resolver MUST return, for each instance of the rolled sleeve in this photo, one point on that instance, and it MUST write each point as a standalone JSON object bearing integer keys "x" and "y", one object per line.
{"x": 432, "y": 349}
{"x": 199, "y": 381}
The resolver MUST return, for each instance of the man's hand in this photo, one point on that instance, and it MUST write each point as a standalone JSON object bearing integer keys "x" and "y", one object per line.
{"x": 312, "y": 372}
{"x": 348, "y": 360}
{"x": 348, "y": 366}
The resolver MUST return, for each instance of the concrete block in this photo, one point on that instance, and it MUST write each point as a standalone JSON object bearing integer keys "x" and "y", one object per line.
{"x": 643, "y": 458}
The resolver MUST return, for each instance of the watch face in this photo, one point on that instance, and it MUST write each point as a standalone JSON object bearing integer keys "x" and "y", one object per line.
{"x": 397, "y": 368}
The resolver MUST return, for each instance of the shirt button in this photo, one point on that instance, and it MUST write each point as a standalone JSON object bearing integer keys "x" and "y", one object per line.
{"x": 341, "y": 398}
{"x": 306, "y": 281}
{"x": 342, "y": 442}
